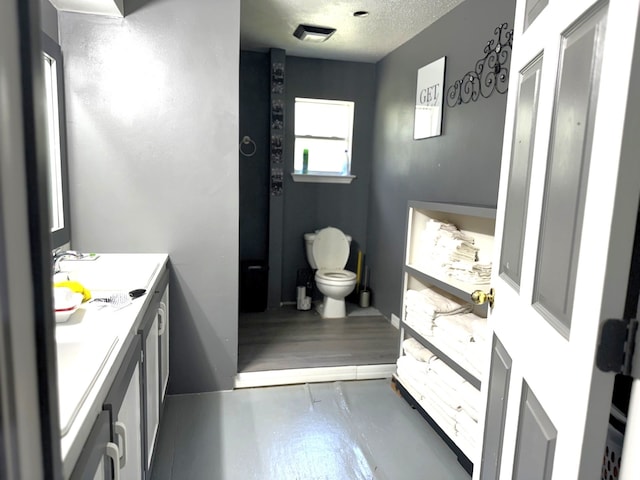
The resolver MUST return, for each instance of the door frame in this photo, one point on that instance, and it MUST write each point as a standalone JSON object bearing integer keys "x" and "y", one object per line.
{"x": 28, "y": 387}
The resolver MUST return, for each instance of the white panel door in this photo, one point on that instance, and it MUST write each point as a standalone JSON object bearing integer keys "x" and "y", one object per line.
{"x": 567, "y": 207}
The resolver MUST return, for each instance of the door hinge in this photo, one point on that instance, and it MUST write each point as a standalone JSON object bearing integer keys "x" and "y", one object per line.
{"x": 617, "y": 345}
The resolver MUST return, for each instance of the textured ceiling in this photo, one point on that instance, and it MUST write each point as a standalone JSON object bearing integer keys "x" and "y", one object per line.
{"x": 268, "y": 24}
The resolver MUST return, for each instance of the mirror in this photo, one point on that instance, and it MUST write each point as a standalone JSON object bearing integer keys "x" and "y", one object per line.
{"x": 56, "y": 143}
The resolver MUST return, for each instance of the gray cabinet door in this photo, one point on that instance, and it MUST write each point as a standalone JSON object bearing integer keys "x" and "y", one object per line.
{"x": 149, "y": 332}
{"x": 125, "y": 407}
{"x": 567, "y": 207}
{"x": 163, "y": 345}
{"x": 94, "y": 463}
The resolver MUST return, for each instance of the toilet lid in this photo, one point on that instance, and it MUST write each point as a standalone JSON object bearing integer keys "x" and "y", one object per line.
{"x": 330, "y": 249}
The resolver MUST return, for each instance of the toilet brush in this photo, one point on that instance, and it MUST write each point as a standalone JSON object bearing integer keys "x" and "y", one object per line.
{"x": 364, "y": 293}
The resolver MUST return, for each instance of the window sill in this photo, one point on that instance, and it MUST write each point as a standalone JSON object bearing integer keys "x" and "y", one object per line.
{"x": 322, "y": 178}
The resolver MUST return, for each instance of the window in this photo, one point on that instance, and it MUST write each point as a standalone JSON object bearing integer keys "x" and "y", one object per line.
{"x": 323, "y": 128}
{"x": 56, "y": 142}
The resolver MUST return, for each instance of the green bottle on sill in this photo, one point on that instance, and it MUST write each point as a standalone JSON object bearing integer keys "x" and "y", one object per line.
{"x": 305, "y": 160}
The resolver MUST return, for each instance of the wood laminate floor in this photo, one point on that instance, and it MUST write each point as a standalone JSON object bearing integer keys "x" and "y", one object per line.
{"x": 323, "y": 431}
{"x": 286, "y": 338}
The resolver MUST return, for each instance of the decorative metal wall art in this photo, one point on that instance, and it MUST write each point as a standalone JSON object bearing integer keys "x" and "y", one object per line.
{"x": 491, "y": 73}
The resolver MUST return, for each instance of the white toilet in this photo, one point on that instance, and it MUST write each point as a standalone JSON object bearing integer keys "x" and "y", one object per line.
{"x": 328, "y": 251}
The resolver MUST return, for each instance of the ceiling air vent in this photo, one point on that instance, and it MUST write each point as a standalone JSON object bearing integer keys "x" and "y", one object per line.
{"x": 310, "y": 33}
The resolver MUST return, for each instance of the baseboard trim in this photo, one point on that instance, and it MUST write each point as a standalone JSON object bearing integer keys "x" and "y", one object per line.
{"x": 313, "y": 375}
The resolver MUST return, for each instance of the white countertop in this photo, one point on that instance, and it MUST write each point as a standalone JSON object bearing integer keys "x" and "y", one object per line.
{"x": 93, "y": 342}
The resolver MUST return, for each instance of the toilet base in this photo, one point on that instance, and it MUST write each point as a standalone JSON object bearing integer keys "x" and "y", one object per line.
{"x": 333, "y": 308}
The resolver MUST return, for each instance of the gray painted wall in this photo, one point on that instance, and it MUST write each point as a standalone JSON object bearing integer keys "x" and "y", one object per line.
{"x": 153, "y": 155}
{"x": 460, "y": 166}
{"x": 49, "y": 19}
{"x": 309, "y": 206}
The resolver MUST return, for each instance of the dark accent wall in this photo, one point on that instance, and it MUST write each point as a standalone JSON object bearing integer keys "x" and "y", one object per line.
{"x": 254, "y": 170}
{"x": 462, "y": 165}
{"x": 310, "y": 206}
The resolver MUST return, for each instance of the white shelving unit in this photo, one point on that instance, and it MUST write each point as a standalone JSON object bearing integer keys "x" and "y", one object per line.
{"x": 419, "y": 274}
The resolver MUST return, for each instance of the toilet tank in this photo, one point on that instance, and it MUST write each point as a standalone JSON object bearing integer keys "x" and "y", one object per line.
{"x": 308, "y": 247}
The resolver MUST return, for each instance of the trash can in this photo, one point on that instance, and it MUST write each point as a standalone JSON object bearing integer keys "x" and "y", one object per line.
{"x": 253, "y": 285}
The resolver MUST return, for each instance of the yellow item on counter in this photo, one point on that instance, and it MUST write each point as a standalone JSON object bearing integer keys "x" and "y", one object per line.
{"x": 75, "y": 287}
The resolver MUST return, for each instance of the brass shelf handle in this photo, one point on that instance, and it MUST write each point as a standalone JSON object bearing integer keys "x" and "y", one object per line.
{"x": 480, "y": 297}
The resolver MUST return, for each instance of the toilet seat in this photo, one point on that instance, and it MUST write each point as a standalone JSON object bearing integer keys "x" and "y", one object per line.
{"x": 335, "y": 276}
{"x": 330, "y": 249}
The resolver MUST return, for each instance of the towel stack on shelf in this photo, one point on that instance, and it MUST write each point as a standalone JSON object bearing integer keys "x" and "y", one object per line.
{"x": 447, "y": 249}
{"x": 450, "y": 400}
{"x": 476, "y": 353}
{"x": 423, "y": 306}
{"x": 449, "y": 325}
{"x": 471, "y": 272}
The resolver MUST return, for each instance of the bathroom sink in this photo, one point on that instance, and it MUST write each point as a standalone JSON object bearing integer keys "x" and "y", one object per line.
{"x": 110, "y": 273}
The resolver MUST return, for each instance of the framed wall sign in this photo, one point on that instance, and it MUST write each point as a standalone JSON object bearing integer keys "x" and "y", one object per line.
{"x": 429, "y": 94}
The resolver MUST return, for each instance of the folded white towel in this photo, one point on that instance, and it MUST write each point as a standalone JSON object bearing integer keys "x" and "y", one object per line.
{"x": 418, "y": 369}
{"x": 408, "y": 376}
{"x": 416, "y": 350}
{"x": 419, "y": 325}
{"x": 446, "y": 374}
{"x": 466, "y": 424}
{"x": 427, "y": 315}
{"x": 469, "y": 398}
{"x": 457, "y": 327}
{"x": 440, "y": 301}
{"x": 465, "y": 442}
{"x": 469, "y": 392}
{"x": 467, "y": 270}
{"x": 440, "y": 411}
{"x": 446, "y": 395}
{"x": 480, "y": 329}
{"x": 442, "y": 418}
{"x": 477, "y": 355}
{"x": 444, "y": 411}
{"x": 472, "y": 410}
{"x": 449, "y": 345}
{"x": 429, "y": 383}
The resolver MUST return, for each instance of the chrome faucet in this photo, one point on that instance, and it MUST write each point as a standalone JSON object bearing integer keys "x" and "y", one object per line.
{"x": 58, "y": 255}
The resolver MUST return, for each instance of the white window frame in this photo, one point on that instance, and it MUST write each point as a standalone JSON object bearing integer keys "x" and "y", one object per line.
{"x": 341, "y": 173}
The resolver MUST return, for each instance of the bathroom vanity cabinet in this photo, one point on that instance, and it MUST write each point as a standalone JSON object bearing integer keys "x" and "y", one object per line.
{"x": 126, "y": 400}
{"x": 448, "y": 340}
